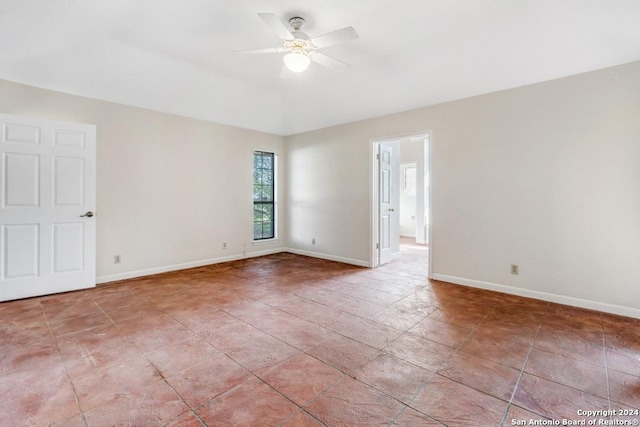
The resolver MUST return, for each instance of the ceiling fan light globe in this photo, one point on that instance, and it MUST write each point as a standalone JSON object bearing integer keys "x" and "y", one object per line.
{"x": 296, "y": 61}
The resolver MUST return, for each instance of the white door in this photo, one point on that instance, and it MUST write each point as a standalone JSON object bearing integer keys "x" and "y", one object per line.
{"x": 389, "y": 201}
{"x": 47, "y": 204}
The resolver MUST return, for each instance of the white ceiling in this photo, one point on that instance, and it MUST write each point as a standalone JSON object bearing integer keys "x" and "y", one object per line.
{"x": 177, "y": 56}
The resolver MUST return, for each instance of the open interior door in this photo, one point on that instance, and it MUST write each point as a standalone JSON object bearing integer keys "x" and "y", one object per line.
{"x": 389, "y": 201}
{"x": 47, "y": 204}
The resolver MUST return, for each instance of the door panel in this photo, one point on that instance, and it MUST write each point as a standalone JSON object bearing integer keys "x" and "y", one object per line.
{"x": 68, "y": 247}
{"x": 20, "y": 133}
{"x": 68, "y": 181}
{"x": 22, "y": 179}
{"x": 69, "y": 138}
{"x": 385, "y": 232}
{"x": 47, "y": 181}
{"x": 385, "y": 186}
{"x": 20, "y": 243}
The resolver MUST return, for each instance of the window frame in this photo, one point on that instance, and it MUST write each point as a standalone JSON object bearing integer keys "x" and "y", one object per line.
{"x": 261, "y": 200}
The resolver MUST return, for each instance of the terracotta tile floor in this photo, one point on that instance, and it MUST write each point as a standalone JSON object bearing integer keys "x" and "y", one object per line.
{"x": 295, "y": 341}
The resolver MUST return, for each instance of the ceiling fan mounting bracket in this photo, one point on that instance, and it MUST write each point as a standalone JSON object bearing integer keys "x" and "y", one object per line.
{"x": 296, "y": 23}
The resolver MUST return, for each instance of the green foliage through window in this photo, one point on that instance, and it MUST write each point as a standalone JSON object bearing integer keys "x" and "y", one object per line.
{"x": 263, "y": 196}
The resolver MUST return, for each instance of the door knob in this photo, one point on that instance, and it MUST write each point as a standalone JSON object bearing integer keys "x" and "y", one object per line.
{"x": 89, "y": 214}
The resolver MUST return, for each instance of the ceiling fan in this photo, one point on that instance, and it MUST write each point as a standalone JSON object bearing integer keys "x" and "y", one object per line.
{"x": 300, "y": 49}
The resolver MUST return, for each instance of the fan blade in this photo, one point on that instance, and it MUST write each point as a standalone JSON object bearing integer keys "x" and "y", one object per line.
{"x": 265, "y": 50}
{"x": 335, "y": 37}
{"x": 329, "y": 62}
{"x": 276, "y": 25}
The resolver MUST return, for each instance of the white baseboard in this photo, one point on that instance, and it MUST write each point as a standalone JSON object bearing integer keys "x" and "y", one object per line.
{"x": 544, "y": 296}
{"x": 175, "y": 267}
{"x": 358, "y": 262}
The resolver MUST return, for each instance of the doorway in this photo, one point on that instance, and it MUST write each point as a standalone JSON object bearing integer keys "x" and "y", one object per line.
{"x": 400, "y": 195}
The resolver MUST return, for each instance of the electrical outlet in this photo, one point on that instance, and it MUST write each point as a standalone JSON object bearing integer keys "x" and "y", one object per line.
{"x": 224, "y": 245}
{"x": 116, "y": 259}
{"x": 514, "y": 269}
{"x": 313, "y": 241}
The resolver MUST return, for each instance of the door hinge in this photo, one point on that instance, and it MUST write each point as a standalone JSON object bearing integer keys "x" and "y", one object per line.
{"x": 378, "y": 156}
{"x": 377, "y": 245}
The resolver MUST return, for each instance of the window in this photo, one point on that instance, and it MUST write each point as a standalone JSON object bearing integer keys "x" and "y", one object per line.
{"x": 264, "y": 220}
{"x": 410, "y": 180}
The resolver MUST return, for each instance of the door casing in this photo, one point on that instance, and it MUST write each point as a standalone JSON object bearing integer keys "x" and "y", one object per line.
{"x": 374, "y": 218}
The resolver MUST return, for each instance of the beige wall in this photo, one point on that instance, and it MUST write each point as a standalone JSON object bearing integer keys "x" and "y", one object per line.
{"x": 170, "y": 190}
{"x": 545, "y": 176}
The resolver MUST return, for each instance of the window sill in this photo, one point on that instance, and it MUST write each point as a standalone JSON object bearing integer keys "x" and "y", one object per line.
{"x": 265, "y": 241}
